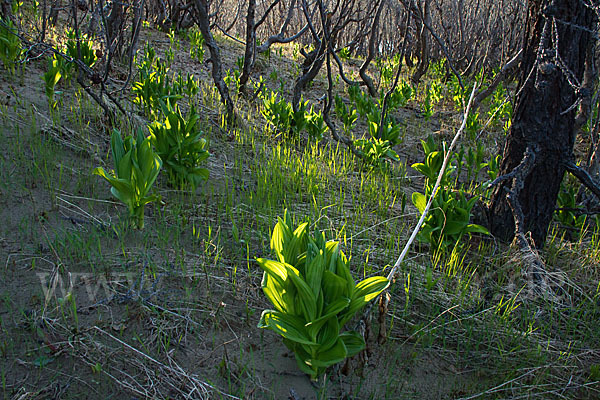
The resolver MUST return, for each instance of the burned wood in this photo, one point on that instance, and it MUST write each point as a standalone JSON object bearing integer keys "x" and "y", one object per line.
{"x": 371, "y": 54}
{"x": 202, "y": 19}
{"x": 396, "y": 77}
{"x": 280, "y": 36}
{"x": 584, "y": 177}
{"x": 506, "y": 71}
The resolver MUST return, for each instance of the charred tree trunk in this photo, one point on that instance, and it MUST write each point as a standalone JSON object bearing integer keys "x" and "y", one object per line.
{"x": 250, "y": 46}
{"x": 314, "y": 60}
{"x": 115, "y": 23}
{"x": 215, "y": 57}
{"x": 317, "y": 60}
{"x": 54, "y": 9}
{"x": 365, "y": 65}
{"x": 422, "y": 52}
{"x": 542, "y": 135}
{"x": 6, "y": 10}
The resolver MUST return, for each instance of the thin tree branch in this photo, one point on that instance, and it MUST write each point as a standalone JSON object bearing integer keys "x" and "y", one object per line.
{"x": 438, "y": 182}
{"x": 500, "y": 77}
{"x": 584, "y": 177}
{"x": 397, "y": 77}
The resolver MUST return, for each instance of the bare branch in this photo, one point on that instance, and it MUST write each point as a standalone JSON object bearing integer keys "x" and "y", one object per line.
{"x": 363, "y": 68}
{"x": 584, "y": 177}
{"x": 438, "y": 182}
{"x": 500, "y": 77}
{"x": 217, "y": 68}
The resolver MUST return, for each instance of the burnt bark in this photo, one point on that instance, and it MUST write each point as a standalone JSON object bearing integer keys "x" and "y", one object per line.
{"x": 310, "y": 73}
{"x": 215, "y": 56}
{"x": 6, "y": 11}
{"x": 54, "y": 9}
{"x": 280, "y": 36}
{"x": 556, "y": 38}
{"x": 365, "y": 65}
{"x": 314, "y": 60}
{"x": 422, "y": 42}
{"x": 250, "y": 45}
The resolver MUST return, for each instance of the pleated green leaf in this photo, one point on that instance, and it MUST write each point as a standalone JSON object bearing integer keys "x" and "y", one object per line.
{"x": 333, "y": 355}
{"x": 353, "y": 341}
{"x": 334, "y": 287}
{"x": 370, "y": 287}
{"x": 314, "y": 294}
{"x": 274, "y": 268}
{"x": 305, "y": 294}
{"x": 288, "y": 326}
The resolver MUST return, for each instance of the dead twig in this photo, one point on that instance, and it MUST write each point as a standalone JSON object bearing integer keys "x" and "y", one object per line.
{"x": 393, "y": 271}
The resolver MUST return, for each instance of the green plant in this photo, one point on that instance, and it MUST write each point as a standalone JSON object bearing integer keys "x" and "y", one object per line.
{"x": 232, "y": 78}
{"x": 389, "y": 131}
{"x": 278, "y": 113}
{"x": 400, "y": 96}
{"x": 240, "y": 62}
{"x": 378, "y": 147}
{"x": 433, "y": 94}
{"x": 427, "y": 106}
{"x": 567, "y": 208}
{"x": 363, "y": 102}
{"x": 136, "y": 169}
{"x": 173, "y": 46}
{"x": 16, "y": 6}
{"x": 298, "y": 117}
{"x": 273, "y": 75}
{"x": 500, "y": 111}
{"x": 493, "y": 170}
{"x": 10, "y": 45}
{"x": 148, "y": 61}
{"x": 376, "y": 151}
{"x": 344, "y": 53}
{"x": 151, "y": 90}
{"x": 174, "y": 42}
{"x": 449, "y": 217}
{"x": 348, "y": 117}
{"x": 500, "y": 107}
{"x": 387, "y": 68}
{"x": 155, "y": 87}
{"x": 282, "y": 118}
{"x": 179, "y": 143}
{"x": 315, "y": 124}
{"x": 473, "y": 125}
{"x": 438, "y": 69}
{"x": 88, "y": 55}
{"x": 472, "y": 161}
{"x": 433, "y": 163}
{"x": 494, "y": 167}
{"x": 66, "y": 65}
{"x": 189, "y": 86}
{"x": 459, "y": 95}
{"x": 51, "y": 78}
{"x": 314, "y": 295}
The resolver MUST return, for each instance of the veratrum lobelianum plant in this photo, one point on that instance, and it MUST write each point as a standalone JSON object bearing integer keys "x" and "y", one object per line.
{"x": 51, "y": 78}
{"x": 179, "y": 143}
{"x": 282, "y": 118}
{"x": 136, "y": 169}
{"x": 10, "y": 45}
{"x": 155, "y": 86}
{"x": 449, "y": 217}
{"x": 86, "y": 49}
{"x": 314, "y": 295}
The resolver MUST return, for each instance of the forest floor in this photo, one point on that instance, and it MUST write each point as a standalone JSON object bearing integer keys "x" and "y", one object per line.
{"x": 92, "y": 308}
